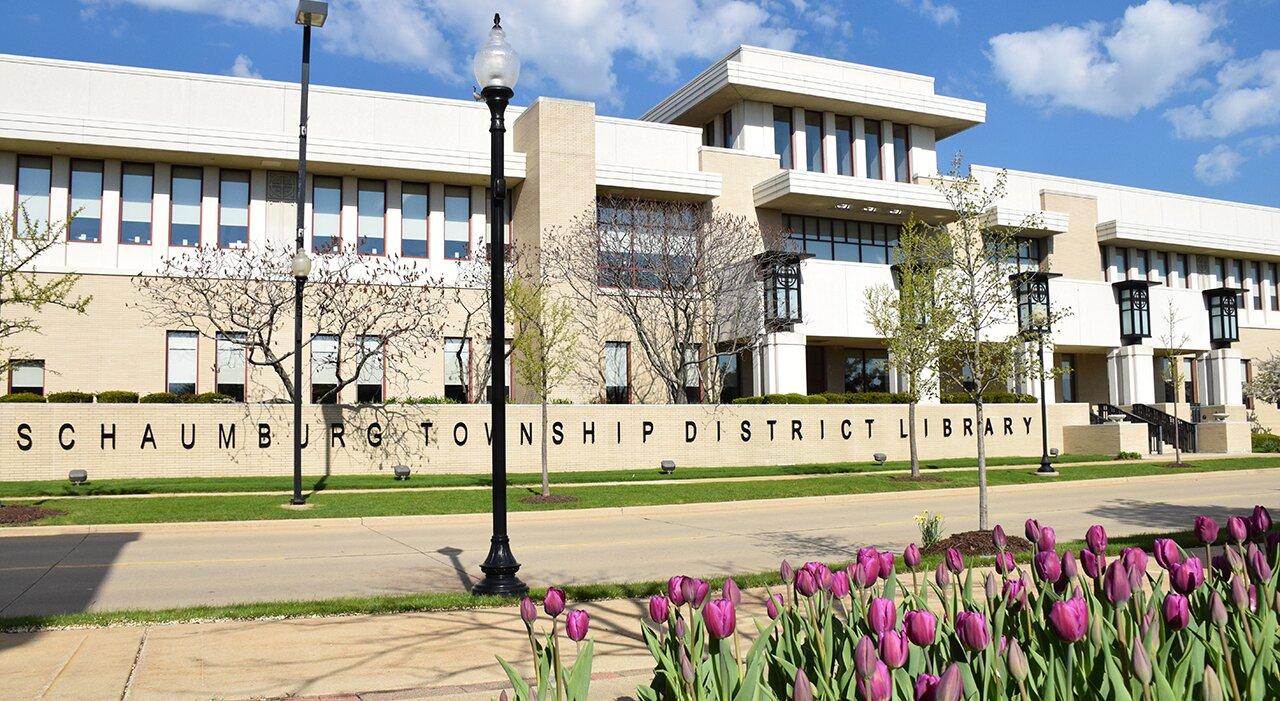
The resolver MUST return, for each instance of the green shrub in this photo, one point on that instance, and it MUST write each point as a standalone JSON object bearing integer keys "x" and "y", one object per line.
{"x": 746, "y": 400}
{"x": 70, "y": 397}
{"x": 207, "y": 398}
{"x": 1128, "y": 455}
{"x": 21, "y": 397}
{"x": 829, "y": 398}
{"x": 1266, "y": 443}
{"x": 117, "y": 396}
{"x": 990, "y": 398}
{"x": 160, "y": 398}
{"x": 421, "y": 400}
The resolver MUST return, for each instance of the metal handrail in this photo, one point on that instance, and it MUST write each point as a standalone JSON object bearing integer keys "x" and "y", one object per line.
{"x": 1184, "y": 431}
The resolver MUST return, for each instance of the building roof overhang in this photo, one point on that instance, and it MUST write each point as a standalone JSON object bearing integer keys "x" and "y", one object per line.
{"x": 1031, "y": 223}
{"x": 822, "y": 194}
{"x": 1127, "y": 233}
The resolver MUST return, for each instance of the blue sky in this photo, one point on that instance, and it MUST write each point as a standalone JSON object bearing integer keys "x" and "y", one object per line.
{"x": 1152, "y": 93}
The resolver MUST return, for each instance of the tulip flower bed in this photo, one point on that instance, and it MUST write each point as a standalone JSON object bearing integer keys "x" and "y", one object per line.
{"x": 1061, "y": 625}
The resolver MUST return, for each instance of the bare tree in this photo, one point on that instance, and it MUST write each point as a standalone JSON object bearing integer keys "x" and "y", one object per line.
{"x": 682, "y": 277}
{"x": 372, "y": 310}
{"x": 1173, "y": 347}
{"x": 910, "y": 318}
{"x": 23, "y": 290}
{"x": 471, "y": 298}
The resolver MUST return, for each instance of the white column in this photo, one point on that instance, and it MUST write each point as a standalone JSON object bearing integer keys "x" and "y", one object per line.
{"x": 435, "y": 222}
{"x": 830, "y": 163}
{"x": 8, "y": 180}
{"x": 479, "y": 219}
{"x": 108, "y": 252}
{"x": 886, "y": 150}
{"x": 350, "y": 222}
{"x": 209, "y": 207}
{"x": 799, "y": 147}
{"x": 783, "y": 366}
{"x": 394, "y": 218}
{"x": 160, "y": 207}
{"x": 1130, "y": 375}
{"x": 859, "y": 147}
{"x": 1225, "y": 375}
{"x": 1033, "y": 378}
{"x": 258, "y": 234}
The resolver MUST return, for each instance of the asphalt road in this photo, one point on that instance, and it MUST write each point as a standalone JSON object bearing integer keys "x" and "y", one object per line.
{"x": 66, "y": 569}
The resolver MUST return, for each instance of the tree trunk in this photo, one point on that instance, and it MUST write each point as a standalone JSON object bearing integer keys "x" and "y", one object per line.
{"x": 982, "y": 467}
{"x": 911, "y": 437}
{"x": 546, "y": 480}
{"x": 1177, "y": 447}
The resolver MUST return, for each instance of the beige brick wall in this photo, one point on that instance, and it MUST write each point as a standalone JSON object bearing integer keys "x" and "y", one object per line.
{"x": 170, "y": 441}
{"x": 1106, "y": 439}
{"x": 1075, "y": 253}
{"x": 1260, "y": 344}
{"x": 1223, "y": 437}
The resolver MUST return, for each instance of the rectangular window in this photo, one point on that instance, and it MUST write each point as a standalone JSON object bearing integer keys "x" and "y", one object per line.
{"x": 1189, "y": 393}
{"x": 709, "y": 133}
{"x": 137, "y": 188}
{"x": 727, "y": 128}
{"x": 781, "y": 136}
{"x": 843, "y": 240}
{"x": 1166, "y": 390}
{"x": 871, "y": 137}
{"x": 844, "y": 145}
{"x": 34, "y": 173}
{"x": 692, "y": 375}
{"x": 645, "y": 245}
{"x": 1160, "y": 265}
{"x": 457, "y": 223}
{"x": 184, "y": 216}
{"x": 1237, "y": 279}
{"x": 326, "y": 214}
{"x": 1067, "y": 370}
{"x": 730, "y": 377}
{"x": 233, "y": 209}
{"x": 457, "y": 368}
{"x": 617, "y": 372}
{"x": 180, "y": 364}
{"x": 86, "y": 201}
{"x": 1180, "y": 271}
{"x": 866, "y": 371}
{"x": 1140, "y": 262}
{"x": 414, "y": 210}
{"x": 1027, "y": 254}
{"x": 324, "y": 369}
{"x": 1219, "y": 272}
{"x": 371, "y": 212}
{"x": 1275, "y": 292}
{"x": 901, "y": 153}
{"x": 27, "y": 376}
{"x": 369, "y": 380}
{"x": 1255, "y": 284}
{"x": 232, "y": 370}
{"x": 1120, "y": 261}
{"x": 813, "y": 141}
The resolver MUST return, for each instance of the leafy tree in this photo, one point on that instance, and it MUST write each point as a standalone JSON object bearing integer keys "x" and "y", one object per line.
{"x": 1173, "y": 347}
{"x": 23, "y": 291}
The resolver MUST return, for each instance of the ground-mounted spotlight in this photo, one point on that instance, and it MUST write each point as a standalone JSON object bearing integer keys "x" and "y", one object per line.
{"x": 78, "y": 476}
{"x": 879, "y": 458}
{"x": 667, "y": 467}
{"x": 1053, "y": 452}
{"x": 402, "y": 472}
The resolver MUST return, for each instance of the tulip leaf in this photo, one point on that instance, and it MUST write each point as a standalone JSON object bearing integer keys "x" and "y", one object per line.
{"x": 521, "y": 687}
{"x": 578, "y": 680}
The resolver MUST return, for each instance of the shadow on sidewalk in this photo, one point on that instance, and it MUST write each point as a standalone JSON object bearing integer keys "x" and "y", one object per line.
{"x": 1163, "y": 516}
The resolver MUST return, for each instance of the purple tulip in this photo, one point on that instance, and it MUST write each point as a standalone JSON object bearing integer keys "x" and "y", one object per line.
{"x": 1116, "y": 586}
{"x": 998, "y": 538}
{"x": 1222, "y": 565}
{"x": 1135, "y": 559}
{"x": 1187, "y": 576}
{"x": 894, "y": 649}
{"x": 1070, "y": 619}
{"x": 1047, "y": 566}
{"x": 886, "y": 564}
{"x": 675, "y": 591}
{"x": 1016, "y": 661}
{"x": 1092, "y": 564}
{"x": 989, "y": 586}
{"x": 1177, "y": 611}
{"x": 1261, "y": 520}
{"x": 731, "y": 591}
{"x": 1217, "y": 609}
{"x": 911, "y": 556}
{"x": 870, "y": 561}
{"x": 921, "y": 627}
{"x": 1239, "y": 593}
{"x": 680, "y": 629}
{"x": 1069, "y": 568}
{"x": 941, "y": 576}
{"x": 865, "y": 657}
{"x": 1273, "y": 540}
{"x": 1258, "y": 566}
{"x": 950, "y": 686}
{"x": 1253, "y": 597}
{"x": 954, "y": 560}
{"x": 1140, "y": 664}
{"x": 1048, "y": 539}
{"x": 972, "y": 630}
{"x": 925, "y": 686}
{"x": 1235, "y": 559}
{"x": 878, "y": 686}
{"x": 1206, "y": 530}
{"x": 881, "y": 614}
{"x": 773, "y": 606}
{"x": 694, "y": 590}
{"x": 1167, "y": 552}
{"x": 805, "y": 583}
{"x": 1032, "y": 530}
{"x": 1237, "y": 529}
{"x": 840, "y": 584}
{"x": 1005, "y": 562}
{"x": 576, "y": 624}
{"x": 865, "y": 574}
{"x": 821, "y": 574}
{"x": 553, "y": 602}
{"x": 659, "y": 608}
{"x": 786, "y": 572}
{"x": 1015, "y": 594}
{"x": 528, "y": 611}
{"x": 802, "y": 690}
{"x": 1096, "y": 539}
{"x": 720, "y": 617}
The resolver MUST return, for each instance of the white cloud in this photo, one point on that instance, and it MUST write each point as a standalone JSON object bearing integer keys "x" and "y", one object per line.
{"x": 1247, "y": 96}
{"x": 573, "y": 45}
{"x": 1219, "y": 166}
{"x": 939, "y": 13}
{"x": 1154, "y": 50}
{"x": 243, "y": 68}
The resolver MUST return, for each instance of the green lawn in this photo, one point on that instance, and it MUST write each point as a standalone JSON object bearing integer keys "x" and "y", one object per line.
{"x": 453, "y": 601}
{"x": 312, "y": 483}
{"x": 391, "y": 503}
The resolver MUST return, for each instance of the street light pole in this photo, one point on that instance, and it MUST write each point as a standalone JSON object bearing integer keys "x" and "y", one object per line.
{"x": 1046, "y": 468}
{"x": 497, "y": 67}
{"x": 309, "y": 14}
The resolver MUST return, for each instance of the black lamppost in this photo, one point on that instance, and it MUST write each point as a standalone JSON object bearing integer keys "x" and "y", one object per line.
{"x": 311, "y": 13}
{"x": 497, "y": 68}
{"x": 1032, "y": 291}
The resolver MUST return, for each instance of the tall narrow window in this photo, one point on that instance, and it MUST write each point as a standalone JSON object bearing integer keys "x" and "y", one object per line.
{"x": 617, "y": 372}
{"x": 1275, "y": 291}
{"x": 1120, "y": 261}
{"x": 184, "y": 217}
{"x": 901, "y": 153}
{"x": 414, "y": 210}
{"x": 727, "y": 128}
{"x": 844, "y": 145}
{"x": 324, "y": 369}
{"x": 326, "y": 214}
{"x": 180, "y": 362}
{"x": 730, "y": 377}
{"x": 1180, "y": 270}
{"x": 136, "y": 191}
{"x": 1189, "y": 393}
{"x": 86, "y": 201}
{"x": 692, "y": 374}
{"x": 813, "y": 141}
{"x": 457, "y": 223}
{"x": 871, "y": 138}
{"x": 233, "y": 209}
{"x": 231, "y": 366}
{"x": 1160, "y": 266}
{"x": 26, "y": 377}
{"x": 1219, "y": 272}
{"x": 33, "y": 193}
{"x": 1237, "y": 278}
{"x": 709, "y": 133}
{"x": 1140, "y": 262}
{"x": 371, "y": 211}
{"x": 369, "y": 380}
{"x": 1067, "y": 370}
{"x": 1255, "y": 284}
{"x": 1246, "y": 368}
{"x": 457, "y": 368}
{"x": 782, "y": 136}
{"x": 866, "y": 371}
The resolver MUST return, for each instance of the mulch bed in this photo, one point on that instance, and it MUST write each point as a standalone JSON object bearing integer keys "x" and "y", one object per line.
{"x": 26, "y": 514}
{"x": 975, "y": 543}
{"x": 552, "y": 499}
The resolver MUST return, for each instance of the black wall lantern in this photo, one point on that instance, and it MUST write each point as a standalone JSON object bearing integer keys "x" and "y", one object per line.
{"x": 1032, "y": 292}
{"x": 1134, "y": 299}
{"x": 780, "y": 271}
{"x": 1224, "y": 326}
